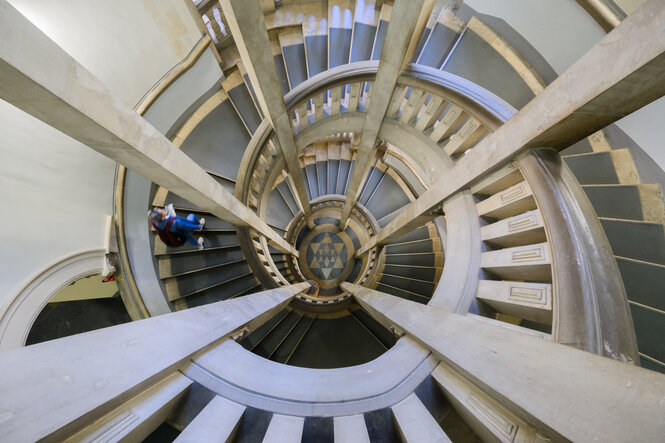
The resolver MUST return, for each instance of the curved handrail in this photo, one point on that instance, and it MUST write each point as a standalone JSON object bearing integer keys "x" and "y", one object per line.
{"x": 590, "y": 310}
{"x": 464, "y": 91}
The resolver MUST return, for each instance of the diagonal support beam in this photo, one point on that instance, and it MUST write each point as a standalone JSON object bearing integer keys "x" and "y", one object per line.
{"x": 249, "y": 32}
{"x": 562, "y": 392}
{"x": 407, "y": 23}
{"x": 38, "y": 77}
{"x": 53, "y": 389}
{"x": 619, "y": 75}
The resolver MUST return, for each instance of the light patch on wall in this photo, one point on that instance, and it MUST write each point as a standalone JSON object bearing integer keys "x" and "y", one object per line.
{"x": 628, "y": 6}
{"x": 87, "y": 288}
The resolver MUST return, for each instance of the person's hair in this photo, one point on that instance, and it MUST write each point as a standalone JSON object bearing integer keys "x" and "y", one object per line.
{"x": 153, "y": 215}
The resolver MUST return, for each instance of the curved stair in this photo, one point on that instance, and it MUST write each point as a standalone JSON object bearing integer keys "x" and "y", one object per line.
{"x": 308, "y": 39}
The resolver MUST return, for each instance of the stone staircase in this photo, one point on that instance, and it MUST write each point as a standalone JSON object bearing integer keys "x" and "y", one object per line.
{"x": 516, "y": 280}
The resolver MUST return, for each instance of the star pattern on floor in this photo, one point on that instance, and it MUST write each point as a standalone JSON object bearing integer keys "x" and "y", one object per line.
{"x": 327, "y": 256}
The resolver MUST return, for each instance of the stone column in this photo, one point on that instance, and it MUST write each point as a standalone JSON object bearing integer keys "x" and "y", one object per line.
{"x": 38, "y": 77}
{"x": 407, "y": 23}
{"x": 619, "y": 75}
{"x": 251, "y": 38}
{"x": 562, "y": 392}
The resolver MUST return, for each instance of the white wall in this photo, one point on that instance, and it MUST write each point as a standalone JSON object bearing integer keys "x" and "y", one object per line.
{"x": 562, "y": 32}
{"x": 128, "y": 44}
{"x": 56, "y": 192}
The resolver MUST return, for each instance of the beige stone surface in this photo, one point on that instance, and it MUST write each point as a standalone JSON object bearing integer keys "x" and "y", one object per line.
{"x": 72, "y": 100}
{"x": 284, "y": 429}
{"x": 564, "y": 393}
{"x": 138, "y": 417}
{"x": 522, "y": 229}
{"x": 488, "y": 419}
{"x": 529, "y": 262}
{"x": 530, "y": 301}
{"x": 350, "y": 429}
{"x": 403, "y": 28}
{"x": 415, "y": 423}
{"x": 248, "y": 28}
{"x": 587, "y": 97}
{"x": 46, "y": 388}
{"x": 217, "y": 422}
{"x": 511, "y": 201}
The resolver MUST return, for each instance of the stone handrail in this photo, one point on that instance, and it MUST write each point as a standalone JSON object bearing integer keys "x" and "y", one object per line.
{"x": 590, "y": 307}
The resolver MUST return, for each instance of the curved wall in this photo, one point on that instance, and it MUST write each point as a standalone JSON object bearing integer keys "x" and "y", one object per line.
{"x": 128, "y": 44}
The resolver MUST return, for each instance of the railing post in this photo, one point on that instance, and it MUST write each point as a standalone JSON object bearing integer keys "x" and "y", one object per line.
{"x": 590, "y": 306}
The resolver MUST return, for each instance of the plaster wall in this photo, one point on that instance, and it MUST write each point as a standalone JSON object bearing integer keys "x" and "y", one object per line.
{"x": 128, "y": 44}
{"x": 561, "y": 31}
{"x": 56, "y": 193}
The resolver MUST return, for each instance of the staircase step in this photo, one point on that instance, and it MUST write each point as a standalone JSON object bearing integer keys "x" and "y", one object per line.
{"x": 631, "y": 202}
{"x": 387, "y": 198}
{"x": 240, "y": 97}
{"x": 235, "y": 287}
{"x": 413, "y": 246}
{"x": 340, "y": 25}
{"x": 474, "y": 59}
{"x": 649, "y": 330}
{"x": 490, "y": 420}
{"x": 188, "y": 284}
{"x": 429, "y": 260}
{"x": 415, "y": 272}
{"x": 530, "y": 262}
{"x": 380, "y": 333}
{"x": 523, "y": 229}
{"x": 284, "y": 429}
{"x": 364, "y": 30}
{"x": 422, "y": 287}
{"x": 222, "y": 123}
{"x": 262, "y": 331}
{"x": 289, "y": 344}
{"x": 351, "y": 429}
{"x": 277, "y": 210}
{"x": 408, "y": 295}
{"x": 276, "y": 335}
{"x": 221, "y": 418}
{"x": 280, "y": 65}
{"x": 415, "y": 423}
{"x": 643, "y": 282}
{"x": 530, "y": 301}
{"x": 381, "y": 30}
{"x": 636, "y": 239}
{"x": 498, "y": 180}
{"x": 604, "y": 168}
{"x": 441, "y": 39}
{"x": 213, "y": 239}
{"x": 512, "y": 201}
{"x": 172, "y": 265}
{"x": 467, "y": 136}
{"x": 421, "y": 233}
{"x": 135, "y": 419}
{"x": 315, "y": 33}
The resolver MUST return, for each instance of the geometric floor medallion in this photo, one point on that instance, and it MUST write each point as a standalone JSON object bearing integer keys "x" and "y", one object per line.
{"x": 327, "y": 255}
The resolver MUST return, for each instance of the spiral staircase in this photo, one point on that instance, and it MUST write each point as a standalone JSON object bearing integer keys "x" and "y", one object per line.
{"x": 330, "y": 364}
